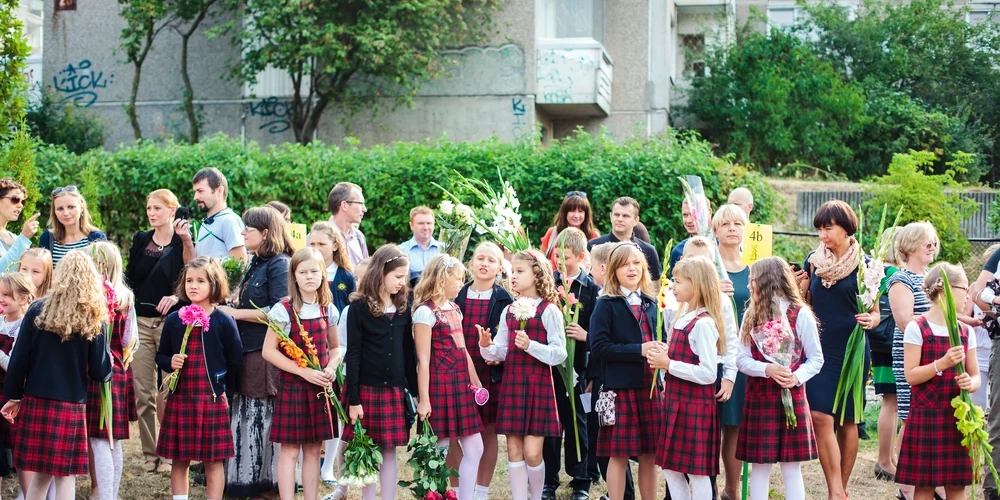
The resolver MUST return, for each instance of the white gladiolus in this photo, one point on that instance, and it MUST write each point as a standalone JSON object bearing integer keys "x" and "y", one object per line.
{"x": 447, "y": 207}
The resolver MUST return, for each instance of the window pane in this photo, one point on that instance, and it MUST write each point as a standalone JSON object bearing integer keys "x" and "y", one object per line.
{"x": 781, "y": 17}
{"x": 580, "y": 19}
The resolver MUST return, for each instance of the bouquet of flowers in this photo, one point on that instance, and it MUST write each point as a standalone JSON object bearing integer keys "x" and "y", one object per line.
{"x": 570, "y": 307}
{"x": 779, "y": 345}
{"x": 523, "y": 309}
{"x": 191, "y": 316}
{"x": 870, "y": 274}
{"x": 362, "y": 459}
{"x": 456, "y": 222}
{"x": 968, "y": 416}
{"x": 430, "y": 473}
{"x": 694, "y": 196}
{"x": 665, "y": 301}
{"x": 106, "y": 404}
{"x": 500, "y": 217}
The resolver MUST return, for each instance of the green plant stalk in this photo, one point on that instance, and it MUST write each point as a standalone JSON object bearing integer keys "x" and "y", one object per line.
{"x": 849, "y": 384}
{"x": 176, "y": 374}
{"x": 106, "y": 411}
{"x": 566, "y": 368}
{"x": 664, "y": 285}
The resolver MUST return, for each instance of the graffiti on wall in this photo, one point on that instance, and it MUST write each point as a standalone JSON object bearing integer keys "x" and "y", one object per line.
{"x": 80, "y": 83}
{"x": 275, "y": 113}
{"x": 519, "y": 125}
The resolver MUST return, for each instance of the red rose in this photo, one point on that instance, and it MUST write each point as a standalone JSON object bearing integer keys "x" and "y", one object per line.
{"x": 433, "y": 495}
{"x": 451, "y": 495}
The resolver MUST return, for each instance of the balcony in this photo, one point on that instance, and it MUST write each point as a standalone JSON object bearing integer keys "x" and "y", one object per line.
{"x": 574, "y": 78}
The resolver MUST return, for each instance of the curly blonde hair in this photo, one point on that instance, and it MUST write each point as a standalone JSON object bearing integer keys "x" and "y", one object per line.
{"x": 76, "y": 304}
{"x": 545, "y": 283}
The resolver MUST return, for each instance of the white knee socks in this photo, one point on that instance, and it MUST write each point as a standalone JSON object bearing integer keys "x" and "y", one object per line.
{"x": 687, "y": 487}
{"x": 107, "y": 467}
{"x": 791, "y": 475}
{"x": 388, "y": 474}
{"x": 518, "y": 474}
{"x": 468, "y": 469}
{"x": 536, "y": 480}
{"x": 482, "y": 492}
{"x": 329, "y": 459}
{"x": 760, "y": 481}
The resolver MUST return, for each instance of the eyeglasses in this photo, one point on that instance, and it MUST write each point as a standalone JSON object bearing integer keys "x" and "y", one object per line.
{"x": 68, "y": 189}
{"x": 16, "y": 200}
{"x": 356, "y": 203}
{"x": 962, "y": 288}
{"x": 931, "y": 245}
{"x": 576, "y": 194}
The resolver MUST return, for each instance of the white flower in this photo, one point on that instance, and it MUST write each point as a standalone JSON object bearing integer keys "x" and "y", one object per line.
{"x": 446, "y": 207}
{"x": 465, "y": 212}
{"x": 523, "y": 309}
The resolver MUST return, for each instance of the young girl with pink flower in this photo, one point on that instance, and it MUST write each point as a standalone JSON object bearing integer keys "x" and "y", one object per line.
{"x": 779, "y": 351}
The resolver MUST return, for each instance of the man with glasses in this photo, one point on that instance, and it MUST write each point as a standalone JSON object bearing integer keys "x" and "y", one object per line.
{"x": 221, "y": 231}
{"x": 347, "y": 208}
{"x": 624, "y": 217}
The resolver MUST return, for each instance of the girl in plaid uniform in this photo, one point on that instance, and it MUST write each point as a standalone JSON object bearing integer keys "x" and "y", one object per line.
{"x": 16, "y": 293}
{"x": 622, "y": 333}
{"x": 690, "y": 439}
{"x": 379, "y": 340}
{"x": 482, "y": 301}
{"x": 445, "y": 372}
{"x": 106, "y": 473}
{"x": 303, "y": 421}
{"x": 196, "y": 424}
{"x": 527, "y": 397}
{"x": 59, "y": 348}
{"x": 323, "y": 236}
{"x": 931, "y": 454}
{"x": 765, "y": 438}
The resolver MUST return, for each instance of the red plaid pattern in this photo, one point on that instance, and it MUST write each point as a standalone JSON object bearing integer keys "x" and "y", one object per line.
{"x": 52, "y": 437}
{"x": 301, "y": 411}
{"x": 764, "y": 436}
{"x": 119, "y": 348}
{"x": 195, "y": 422}
{"x": 636, "y": 430}
{"x": 690, "y": 441}
{"x": 6, "y": 428}
{"x": 454, "y": 410}
{"x": 385, "y": 418}
{"x": 476, "y": 313}
{"x": 121, "y": 384}
{"x": 931, "y": 453}
{"x": 527, "y": 395}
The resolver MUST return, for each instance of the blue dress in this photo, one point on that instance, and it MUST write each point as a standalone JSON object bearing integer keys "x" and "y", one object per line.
{"x": 835, "y": 308}
{"x": 732, "y": 410}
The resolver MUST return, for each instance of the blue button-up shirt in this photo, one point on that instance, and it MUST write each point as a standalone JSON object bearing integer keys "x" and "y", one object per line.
{"x": 419, "y": 256}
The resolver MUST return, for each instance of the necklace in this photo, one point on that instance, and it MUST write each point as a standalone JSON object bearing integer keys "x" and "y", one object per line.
{"x": 159, "y": 247}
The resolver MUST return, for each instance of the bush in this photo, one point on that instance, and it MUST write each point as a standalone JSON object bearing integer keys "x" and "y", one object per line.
{"x": 397, "y": 177}
{"x": 57, "y": 122}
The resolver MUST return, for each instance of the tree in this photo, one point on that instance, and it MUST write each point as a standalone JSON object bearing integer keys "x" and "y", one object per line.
{"x": 353, "y": 52}
{"x": 13, "y": 52}
{"x": 17, "y": 159}
{"x": 770, "y": 101}
{"x": 144, "y": 20}
{"x": 189, "y": 15}
{"x": 56, "y": 121}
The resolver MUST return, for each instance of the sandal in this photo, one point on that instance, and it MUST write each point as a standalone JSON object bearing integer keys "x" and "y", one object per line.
{"x": 149, "y": 466}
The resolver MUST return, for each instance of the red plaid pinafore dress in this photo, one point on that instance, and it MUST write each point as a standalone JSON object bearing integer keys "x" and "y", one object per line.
{"x": 122, "y": 392}
{"x": 636, "y": 430}
{"x": 302, "y": 413}
{"x": 6, "y": 345}
{"x": 477, "y": 313}
{"x": 454, "y": 410}
{"x": 691, "y": 437}
{"x": 196, "y": 420}
{"x": 527, "y": 395}
{"x": 764, "y": 436}
{"x": 932, "y": 453}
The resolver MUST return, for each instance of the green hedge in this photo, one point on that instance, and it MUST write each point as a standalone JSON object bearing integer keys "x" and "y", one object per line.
{"x": 397, "y": 177}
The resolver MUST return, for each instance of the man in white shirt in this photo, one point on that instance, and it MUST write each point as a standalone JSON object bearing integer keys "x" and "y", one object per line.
{"x": 422, "y": 246}
{"x": 347, "y": 208}
{"x": 221, "y": 231}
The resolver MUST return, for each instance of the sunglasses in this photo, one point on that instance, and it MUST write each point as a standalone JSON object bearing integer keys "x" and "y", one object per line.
{"x": 576, "y": 194}
{"x": 16, "y": 200}
{"x": 68, "y": 189}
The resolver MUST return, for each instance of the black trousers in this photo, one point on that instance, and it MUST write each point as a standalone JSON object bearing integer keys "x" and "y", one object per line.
{"x": 575, "y": 468}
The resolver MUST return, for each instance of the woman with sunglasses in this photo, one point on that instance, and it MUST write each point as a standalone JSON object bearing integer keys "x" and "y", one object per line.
{"x": 69, "y": 224}
{"x": 12, "y": 197}
{"x": 575, "y": 212}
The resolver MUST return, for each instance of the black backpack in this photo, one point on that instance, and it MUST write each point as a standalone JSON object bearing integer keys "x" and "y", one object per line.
{"x": 880, "y": 337}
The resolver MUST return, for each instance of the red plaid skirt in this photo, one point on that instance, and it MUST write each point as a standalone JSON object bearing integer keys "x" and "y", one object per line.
{"x": 131, "y": 410}
{"x": 527, "y": 394}
{"x": 454, "y": 412}
{"x": 120, "y": 385}
{"x": 476, "y": 313}
{"x": 301, "y": 412}
{"x": 196, "y": 428}
{"x": 637, "y": 425}
{"x": 52, "y": 437}
{"x": 385, "y": 418}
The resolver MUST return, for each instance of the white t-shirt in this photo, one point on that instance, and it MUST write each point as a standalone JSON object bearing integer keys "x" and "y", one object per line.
{"x": 309, "y": 311}
{"x": 222, "y": 235}
{"x": 425, "y": 316}
{"x": 913, "y": 336}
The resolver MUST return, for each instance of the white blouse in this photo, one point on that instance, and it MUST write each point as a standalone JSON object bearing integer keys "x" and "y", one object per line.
{"x": 807, "y": 331}
{"x": 728, "y": 359}
{"x": 425, "y": 316}
{"x": 703, "y": 338}
{"x": 552, "y": 354}
{"x": 309, "y": 311}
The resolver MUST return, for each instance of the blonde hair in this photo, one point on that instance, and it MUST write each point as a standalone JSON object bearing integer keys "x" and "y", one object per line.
{"x": 19, "y": 284}
{"x": 705, "y": 281}
{"x": 340, "y": 255}
{"x": 542, "y": 269}
{"x": 909, "y": 238}
{"x": 934, "y": 285}
{"x": 888, "y": 239}
{"x": 488, "y": 246}
{"x": 989, "y": 251}
{"x": 696, "y": 242}
{"x": 599, "y": 254}
{"x": 323, "y": 294}
{"x": 727, "y": 213}
{"x": 620, "y": 256}
{"x": 45, "y": 256}
{"x": 76, "y": 305}
{"x": 572, "y": 238}
{"x": 362, "y": 267}
{"x": 430, "y": 288}
{"x": 108, "y": 260}
{"x": 773, "y": 280}
{"x": 58, "y": 229}
{"x": 167, "y": 197}
{"x": 421, "y": 210}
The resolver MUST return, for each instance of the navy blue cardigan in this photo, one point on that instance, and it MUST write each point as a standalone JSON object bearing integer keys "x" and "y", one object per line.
{"x": 616, "y": 341}
{"x": 342, "y": 285}
{"x": 223, "y": 347}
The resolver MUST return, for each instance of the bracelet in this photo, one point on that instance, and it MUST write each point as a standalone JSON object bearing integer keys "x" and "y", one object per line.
{"x": 936, "y": 369}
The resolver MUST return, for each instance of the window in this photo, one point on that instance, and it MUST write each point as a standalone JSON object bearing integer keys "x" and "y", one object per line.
{"x": 782, "y": 17}
{"x": 572, "y": 19}
{"x": 980, "y": 16}
{"x": 694, "y": 55}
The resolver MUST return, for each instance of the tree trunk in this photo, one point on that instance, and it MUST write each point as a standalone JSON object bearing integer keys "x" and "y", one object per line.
{"x": 312, "y": 121}
{"x": 133, "y": 116}
{"x": 194, "y": 128}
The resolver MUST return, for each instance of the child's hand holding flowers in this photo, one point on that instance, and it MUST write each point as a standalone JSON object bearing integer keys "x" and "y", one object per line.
{"x": 521, "y": 340}
{"x": 657, "y": 356}
{"x": 316, "y": 377}
{"x": 782, "y": 375}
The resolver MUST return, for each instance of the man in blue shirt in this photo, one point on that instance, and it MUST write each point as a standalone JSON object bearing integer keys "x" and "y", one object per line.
{"x": 422, "y": 247}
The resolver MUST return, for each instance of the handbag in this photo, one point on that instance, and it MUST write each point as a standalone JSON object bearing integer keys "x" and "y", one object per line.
{"x": 409, "y": 407}
{"x": 605, "y": 407}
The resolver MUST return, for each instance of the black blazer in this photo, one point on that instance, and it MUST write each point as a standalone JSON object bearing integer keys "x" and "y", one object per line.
{"x": 616, "y": 341}
{"x": 380, "y": 350}
{"x": 585, "y": 291}
{"x": 342, "y": 285}
{"x": 500, "y": 299}
{"x": 162, "y": 279}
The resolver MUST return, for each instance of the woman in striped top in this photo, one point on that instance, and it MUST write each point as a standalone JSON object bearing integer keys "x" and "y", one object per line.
{"x": 69, "y": 224}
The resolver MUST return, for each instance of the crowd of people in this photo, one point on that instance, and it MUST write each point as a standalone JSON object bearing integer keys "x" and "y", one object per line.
{"x": 90, "y": 341}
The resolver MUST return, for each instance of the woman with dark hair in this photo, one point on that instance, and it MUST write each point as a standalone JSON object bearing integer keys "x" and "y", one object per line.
{"x": 12, "y": 198}
{"x": 69, "y": 224}
{"x": 575, "y": 212}
{"x": 829, "y": 278}
{"x": 252, "y": 471}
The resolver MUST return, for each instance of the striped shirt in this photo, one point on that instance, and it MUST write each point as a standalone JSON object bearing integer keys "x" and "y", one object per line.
{"x": 59, "y": 250}
{"x": 921, "y": 304}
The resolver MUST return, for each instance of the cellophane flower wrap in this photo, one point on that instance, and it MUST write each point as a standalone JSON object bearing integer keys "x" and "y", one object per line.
{"x": 969, "y": 417}
{"x": 431, "y": 475}
{"x": 499, "y": 215}
{"x": 871, "y": 270}
{"x": 778, "y": 344}
{"x": 191, "y": 316}
{"x": 456, "y": 221}
{"x": 106, "y": 402}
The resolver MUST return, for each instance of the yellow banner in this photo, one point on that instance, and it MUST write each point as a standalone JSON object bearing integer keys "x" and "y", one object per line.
{"x": 298, "y": 235}
{"x": 756, "y": 242}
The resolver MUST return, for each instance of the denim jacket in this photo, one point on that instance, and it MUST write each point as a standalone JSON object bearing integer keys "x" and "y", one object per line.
{"x": 265, "y": 283}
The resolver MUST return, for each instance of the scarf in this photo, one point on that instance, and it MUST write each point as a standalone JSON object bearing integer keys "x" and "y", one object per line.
{"x": 831, "y": 269}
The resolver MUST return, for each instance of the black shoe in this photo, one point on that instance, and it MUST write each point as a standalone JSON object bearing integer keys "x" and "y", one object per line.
{"x": 549, "y": 493}
{"x": 199, "y": 479}
{"x": 991, "y": 495}
{"x": 883, "y": 474}
{"x": 580, "y": 494}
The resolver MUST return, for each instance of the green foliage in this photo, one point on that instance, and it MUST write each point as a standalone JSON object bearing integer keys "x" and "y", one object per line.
{"x": 57, "y": 122}
{"x": 925, "y": 196}
{"x": 17, "y": 160}
{"x": 90, "y": 188}
{"x": 395, "y": 177}
{"x": 13, "y": 52}
{"x": 771, "y": 101}
{"x": 144, "y": 20}
{"x": 427, "y": 461}
{"x": 348, "y": 52}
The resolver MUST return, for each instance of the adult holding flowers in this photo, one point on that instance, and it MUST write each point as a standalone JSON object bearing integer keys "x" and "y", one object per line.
{"x": 155, "y": 261}
{"x": 12, "y": 199}
{"x": 252, "y": 471}
{"x": 575, "y": 212}
{"x": 69, "y": 224}
{"x": 830, "y": 276}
